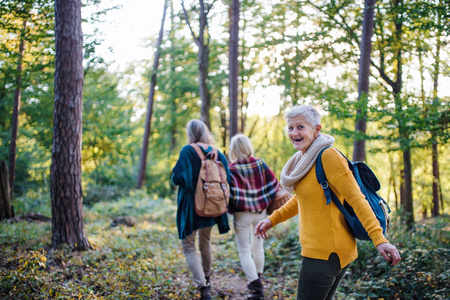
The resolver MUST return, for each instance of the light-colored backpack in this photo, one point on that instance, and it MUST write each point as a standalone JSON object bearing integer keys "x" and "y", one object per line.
{"x": 212, "y": 193}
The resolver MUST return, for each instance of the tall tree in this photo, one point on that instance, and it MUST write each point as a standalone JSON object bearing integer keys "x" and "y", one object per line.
{"x": 202, "y": 42}
{"x": 172, "y": 101}
{"x": 437, "y": 193}
{"x": 66, "y": 191}
{"x": 437, "y": 196}
{"x": 16, "y": 109}
{"x": 359, "y": 145}
{"x": 6, "y": 209}
{"x": 148, "y": 120}
{"x": 395, "y": 44}
{"x": 25, "y": 27}
{"x": 31, "y": 69}
{"x": 234, "y": 66}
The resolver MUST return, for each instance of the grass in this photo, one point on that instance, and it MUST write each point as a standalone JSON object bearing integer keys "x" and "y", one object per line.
{"x": 146, "y": 261}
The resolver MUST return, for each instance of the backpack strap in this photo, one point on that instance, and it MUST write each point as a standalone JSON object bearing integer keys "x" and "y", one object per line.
{"x": 199, "y": 151}
{"x": 212, "y": 155}
{"x": 322, "y": 178}
{"x": 202, "y": 157}
{"x": 329, "y": 194}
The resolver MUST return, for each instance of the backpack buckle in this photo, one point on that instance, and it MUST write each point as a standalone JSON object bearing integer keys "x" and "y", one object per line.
{"x": 324, "y": 185}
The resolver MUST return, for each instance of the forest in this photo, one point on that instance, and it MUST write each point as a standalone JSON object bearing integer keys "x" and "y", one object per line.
{"x": 87, "y": 207}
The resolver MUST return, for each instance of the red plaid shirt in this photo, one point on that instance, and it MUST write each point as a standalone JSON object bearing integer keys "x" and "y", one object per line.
{"x": 253, "y": 185}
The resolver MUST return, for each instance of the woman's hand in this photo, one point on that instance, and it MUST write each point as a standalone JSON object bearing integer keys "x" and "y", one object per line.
{"x": 262, "y": 228}
{"x": 389, "y": 253}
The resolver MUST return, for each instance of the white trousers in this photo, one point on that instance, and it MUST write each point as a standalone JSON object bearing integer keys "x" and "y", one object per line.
{"x": 250, "y": 248}
{"x": 203, "y": 269}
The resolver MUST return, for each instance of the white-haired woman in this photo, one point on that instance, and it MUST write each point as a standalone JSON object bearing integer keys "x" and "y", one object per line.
{"x": 253, "y": 187}
{"x": 328, "y": 246}
{"x": 185, "y": 175}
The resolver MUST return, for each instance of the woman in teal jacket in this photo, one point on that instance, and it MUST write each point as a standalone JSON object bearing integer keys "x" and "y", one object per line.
{"x": 185, "y": 175}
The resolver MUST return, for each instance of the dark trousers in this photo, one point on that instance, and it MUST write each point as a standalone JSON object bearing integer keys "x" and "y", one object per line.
{"x": 318, "y": 278}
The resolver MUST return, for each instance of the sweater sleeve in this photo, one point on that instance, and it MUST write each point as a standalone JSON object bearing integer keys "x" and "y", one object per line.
{"x": 287, "y": 211}
{"x": 344, "y": 185}
{"x": 185, "y": 168}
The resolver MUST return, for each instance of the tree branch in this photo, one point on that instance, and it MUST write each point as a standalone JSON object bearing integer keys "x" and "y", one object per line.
{"x": 186, "y": 17}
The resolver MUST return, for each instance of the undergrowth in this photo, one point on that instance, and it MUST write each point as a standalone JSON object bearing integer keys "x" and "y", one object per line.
{"x": 146, "y": 261}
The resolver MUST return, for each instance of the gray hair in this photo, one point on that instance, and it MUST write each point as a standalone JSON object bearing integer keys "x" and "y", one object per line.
{"x": 198, "y": 132}
{"x": 240, "y": 147}
{"x": 311, "y": 115}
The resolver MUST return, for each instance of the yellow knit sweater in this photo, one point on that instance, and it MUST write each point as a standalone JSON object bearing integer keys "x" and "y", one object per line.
{"x": 322, "y": 228}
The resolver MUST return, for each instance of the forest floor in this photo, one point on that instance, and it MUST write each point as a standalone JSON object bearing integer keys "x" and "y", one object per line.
{"x": 145, "y": 260}
{"x": 225, "y": 286}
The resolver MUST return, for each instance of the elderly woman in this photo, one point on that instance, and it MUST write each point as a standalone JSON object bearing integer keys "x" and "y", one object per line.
{"x": 253, "y": 188}
{"x": 328, "y": 246}
{"x": 189, "y": 224}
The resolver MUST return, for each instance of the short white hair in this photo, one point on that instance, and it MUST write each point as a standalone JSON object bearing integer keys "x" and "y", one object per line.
{"x": 311, "y": 115}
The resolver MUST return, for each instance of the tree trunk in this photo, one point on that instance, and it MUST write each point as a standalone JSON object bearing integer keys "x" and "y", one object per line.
{"x": 203, "y": 58}
{"x": 393, "y": 181}
{"x": 409, "y": 210}
{"x": 65, "y": 186}
{"x": 6, "y": 209}
{"x": 234, "y": 66}
{"x": 434, "y": 148}
{"x": 243, "y": 103}
{"x": 203, "y": 54}
{"x": 359, "y": 146}
{"x": 148, "y": 119}
{"x": 172, "y": 100}
{"x": 436, "y": 191}
{"x": 406, "y": 194}
{"x": 223, "y": 123}
{"x": 406, "y": 199}
{"x": 15, "y": 115}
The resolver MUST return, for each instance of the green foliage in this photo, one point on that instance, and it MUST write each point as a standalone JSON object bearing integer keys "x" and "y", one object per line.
{"x": 308, "y": 47}
{"x": 127, "y": 262}
{"x": 101, "y": 193}
{"x": 33, "y": 201}
{"x": 422, "y": 274}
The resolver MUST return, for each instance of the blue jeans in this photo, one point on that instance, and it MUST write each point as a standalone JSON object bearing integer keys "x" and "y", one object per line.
{"x": 318, "y": 278}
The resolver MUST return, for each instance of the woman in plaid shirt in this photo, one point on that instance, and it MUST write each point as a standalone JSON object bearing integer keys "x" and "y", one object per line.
{"x": 253, "y": 187}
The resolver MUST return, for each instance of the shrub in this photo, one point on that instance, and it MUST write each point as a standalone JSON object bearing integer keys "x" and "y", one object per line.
{"x": 422, "y": 274}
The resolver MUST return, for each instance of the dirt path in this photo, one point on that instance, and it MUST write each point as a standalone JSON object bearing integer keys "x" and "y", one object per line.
{"x": 228, "y": 286}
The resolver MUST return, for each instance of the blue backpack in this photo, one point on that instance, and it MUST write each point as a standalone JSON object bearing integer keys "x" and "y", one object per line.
{"x": 369, "y": 186}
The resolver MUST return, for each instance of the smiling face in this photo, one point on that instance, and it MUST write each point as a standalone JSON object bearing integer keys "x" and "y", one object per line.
{"x": 301, "y": 133}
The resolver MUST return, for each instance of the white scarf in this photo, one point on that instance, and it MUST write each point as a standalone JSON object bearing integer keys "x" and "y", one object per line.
{"x": 299, "y": 165}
